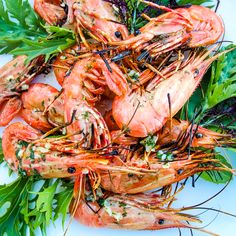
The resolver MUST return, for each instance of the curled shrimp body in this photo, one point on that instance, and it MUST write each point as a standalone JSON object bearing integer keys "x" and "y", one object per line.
{"x": 82, "y": 89}
{"x": 133, "y": 111}
{"x": 65, "y": 61}
{"x": 15, "y": 77}
{"x": 137, "y": 212}
{"x": 42, "y": 107}
{"x": 194, "y": 26}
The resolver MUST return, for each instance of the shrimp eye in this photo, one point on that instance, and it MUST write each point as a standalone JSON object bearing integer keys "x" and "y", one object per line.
{"x": 71, "y": 170}
{"x": 196, "y": 73}
{"x": 180, "y": 171}
{"x": 65, "y": 7}
{"x": 137, "y": 32}
{"x": 130, "y": 175}
{"x": 161, "y": 221}
{"x": 114, "y": 152}
{"x": 118, "y": 34}
{"x": 199, "y": 135}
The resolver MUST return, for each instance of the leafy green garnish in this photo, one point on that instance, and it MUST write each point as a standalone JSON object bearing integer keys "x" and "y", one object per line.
{"x": 18, "y": 21}
{"x": 222, "y": 85}
{"x": 164, "y": 156}
{"x": 22, "y": 32}
{"x": 149, "y": 143}
{"x": 58, "y": 40}
{"x": 216, "y": 87}
{"x": 23, "y": 209}
{"x": 218, "y": 177}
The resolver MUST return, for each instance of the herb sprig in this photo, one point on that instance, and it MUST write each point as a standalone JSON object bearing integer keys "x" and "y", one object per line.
{"x": 22, "y": 32}
{"x": 26, "y": 210}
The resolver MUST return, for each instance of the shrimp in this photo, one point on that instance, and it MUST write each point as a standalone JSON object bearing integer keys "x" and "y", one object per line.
{"x": 29, "y": 153}
{"x": 169, "y": 167}
{"x": 82, "y": 89}
{"x": 146, "y": 211}
{"x": 42, "y": 107}
{"x": 95, "y": 16}
{"x": 100, "y": 20}
{"x": 177, "y": 133}
{"x": 180, "y": 133}
{"x": 64, "y": 62}
{"x": 194, "y": 26}
{"x": 15, "y": 77}
{"x": 51, "y": 11}
{"x": 133, "y": 111}
{"x": 29, "y": 157}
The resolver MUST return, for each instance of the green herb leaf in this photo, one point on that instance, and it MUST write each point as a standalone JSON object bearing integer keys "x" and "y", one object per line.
{"x": 45, "y": 199}
{"x": 149, "y": 143}
{"x": 18, "y": 21}
{"x": 44, "y": 46}
{"x": 63, "y": 199}
{"x": 23, "y": 210}
{"x": 218, "y": 177}
{"x": 22, "y": 32}
{"x": 10, "y": 198}
{"x": 222, "y": 84}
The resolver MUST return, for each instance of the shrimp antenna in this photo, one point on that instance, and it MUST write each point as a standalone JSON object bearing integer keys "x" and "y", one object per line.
{"x": 206, "y": 231}
{"x": 170, "y": 110}
{"x": 180, "y": 233}
{"x": 213, "y": 209}
{"x": 209, "y": 199}
{"x": 217, "y": 5}
{"x": 106, "y": 62}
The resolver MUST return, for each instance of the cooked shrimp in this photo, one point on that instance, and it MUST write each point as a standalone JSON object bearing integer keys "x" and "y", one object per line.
{"x": 42, "y": 107}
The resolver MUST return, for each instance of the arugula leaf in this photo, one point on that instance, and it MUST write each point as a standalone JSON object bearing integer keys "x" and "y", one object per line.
{"x": 23, "y": 210}
{"x": 63, "y": 199}
{"x": 218, "y": 177}
{"x": 10, "y": 197}
{"x": 22, "y": 32}
{"x": 223, "y": 80}
{"x": 44, "y": 202}
{"x": 217, "y": 86}
{"x": 56, "y": 42}
{"x": 221, "y": 117}
{"x": 18, "y": 21}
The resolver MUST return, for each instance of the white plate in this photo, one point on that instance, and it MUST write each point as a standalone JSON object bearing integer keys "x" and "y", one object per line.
{"x": 222, "y": 225}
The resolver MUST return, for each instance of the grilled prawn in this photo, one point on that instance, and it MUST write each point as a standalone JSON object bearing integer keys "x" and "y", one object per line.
{"x": 195, "y": 26}
{"x": 162, "y": 101}
{"x": 15, "y": 78}
{"x": 42, "y": 107}
{"x": 137, "y": 212}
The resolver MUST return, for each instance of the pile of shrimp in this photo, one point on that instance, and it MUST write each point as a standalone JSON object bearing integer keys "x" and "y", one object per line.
{"x": 112, "y": 126}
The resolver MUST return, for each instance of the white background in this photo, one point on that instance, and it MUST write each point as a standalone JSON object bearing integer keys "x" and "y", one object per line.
{"x": 222, "y": 225}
